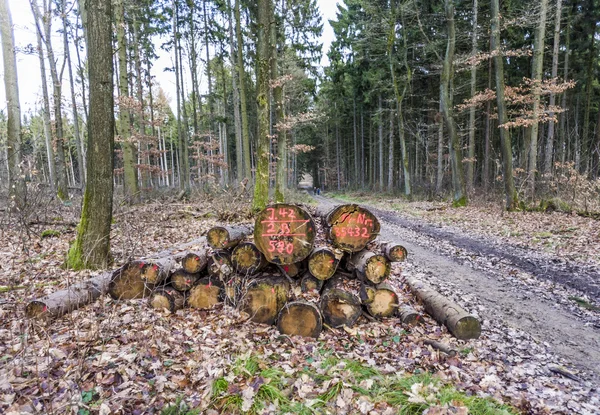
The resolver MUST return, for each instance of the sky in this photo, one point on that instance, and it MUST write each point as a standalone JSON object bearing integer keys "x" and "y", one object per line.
{"x": 28, "y": 67}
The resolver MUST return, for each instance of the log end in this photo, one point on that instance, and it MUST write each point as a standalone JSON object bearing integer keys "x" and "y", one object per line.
{"x": 183, "y": 281}
{"x": 166, "y": 299}
{"x": 468, "y": 327}
{"x": 193, "y": 263}
{"x": 300, "y": 319}
{"x": 340, "y": 308}
{"x": 247, "y": 259}
{"x": 264, "y": 298}
{"x": 36, "y": 310}
{"x": 323, "y": 264}
{"x": 218, "y": 237}
{"x": 205, "y": 294}
{"x": 377, "y": 269}
{"x": 127, "y": 283}
{"x": 384, "y": 304}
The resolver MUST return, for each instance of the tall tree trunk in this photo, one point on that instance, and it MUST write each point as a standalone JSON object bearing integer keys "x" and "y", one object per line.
{"x": 78, "y": 138}
{"x": 440, "y": 153}
{"x": 261, "y": 186}
{"x": 131, "y": 189}
{"x": 505, "y": 140}
{"x": 46, "y": 114}
{"x": 355, "y": 143}
{"x": 538, "y": 65}
{"x": 380, "y": 142}
{"x": 239, "y": 152}
{"x": 562, "y": 131}
{"x": 471, "y": 162}
{"x": 279, "y": 113}
{"x": 488, "y": 133}
{"x": 390, "y": 183}
{"x": 92, "y": 246}
{"x": 243, "y": 101}
{"x": 446, "y": 96}
{"x": 182, "y": 129}
{"x": 548, "y": 158}
{"x": 16, "y": 181}
{"x": 208, "y": 68}
{"x": 143, "y": 139}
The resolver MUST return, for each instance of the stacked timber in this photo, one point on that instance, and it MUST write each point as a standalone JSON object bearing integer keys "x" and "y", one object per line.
{"x": 298, "y": 271}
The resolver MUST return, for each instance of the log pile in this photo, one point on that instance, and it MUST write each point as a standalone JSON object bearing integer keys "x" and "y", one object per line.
{"x": 298, "y": 271}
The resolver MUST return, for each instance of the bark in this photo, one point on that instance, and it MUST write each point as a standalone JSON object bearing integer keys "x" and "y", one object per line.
{"x": 247, "y": 259}
{"x": 285, "y": 234}
{"x": 538, "y": 65}
{"x": 440, "y": 154}
{"x": 225, "y": 237}
{"x": 264, "y": 298}
{"x": 370, "y": 266}
{"x": 183, "y": 130}
{"x": 131, "y": 190}
{"x": 505, "y": 139}
{"x": 261, "y": 185}
{"x": 471, "y": 162}
{"x": 488, "y": 133}
{"x": 324, "y": 261}
{"x": 279, "y": 112}
{"x": 460, "y": 323}
{"x": 446, "y": 98}
{"x": 91, "y": 248}
{"x": 166, "y": 299}
{"x": 244, "y": 107}
{"x": 239, "y": 152}
{"x": 393, "y": 251}
{"x": 409, "y": 315}
{"x": 137, "y": 279}
{"x": 16, "y": 182}
{"x": 380, "y": 143}
{"x": 300, "y": 318}
{"x": 390, "y": 182}
{"x": 563, "y": 117}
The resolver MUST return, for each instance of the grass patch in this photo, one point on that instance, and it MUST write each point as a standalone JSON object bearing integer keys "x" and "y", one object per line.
{"x": 584, "y": 304}
{"x": 50, "y": 233}
{"x": 179, "y": 408}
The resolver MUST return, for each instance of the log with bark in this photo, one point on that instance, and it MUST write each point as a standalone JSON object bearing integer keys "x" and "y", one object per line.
{"x": 207, "y": 293}
{"x": 264, "y": 298}
{"x": 324, "y": 261}
{"x": 370, "y": 266}
{"x": 461, "y": 324}
{"x": 393, "y": 251}
{"x": 219, "y": 265}
{"x": 284, "y": 234}
{"x": 225, "y": 237}
{"x": 300, "y": 318}
{"x": 182, "y": 280}
{"x": 409, "y": 316}
{"x": 166, "y": 298}
{"x": 137, "y": 279}
{"x": 384, "y": 302}
{"x": 340, "y": 302}
{"x": 351, "y": 227}
{"x": 247, "y": 259}
{"x": 195, "y": 261}
{"x": 310, "y": 283}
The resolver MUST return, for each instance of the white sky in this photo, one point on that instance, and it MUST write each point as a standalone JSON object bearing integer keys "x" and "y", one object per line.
{"x": 28, "y": 68}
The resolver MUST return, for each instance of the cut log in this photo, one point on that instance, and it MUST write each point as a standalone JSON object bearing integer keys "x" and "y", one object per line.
{"x": 461, "y": 324}
{"x": 166, "y": 299}
{"x": 393, "y": 251}
{"x": 206, "y": 294}
{"x": 367, "y": 293}
{"x": 293, "y": 270}
{"x": 300, "y": 318}
{"x": 64, "y": 301}
{"x": 247, "y": 259}
{"x": 225, "y": 237}
{"x": 310, "y": 283}
{"x": 183, "y": 281}
{"x": 264, "y": 298}
{"x": 384, "y": 303}
{"x": 351, "y": 227}
{"x": 372, "y": 267}
{"x": 194, "y": 262}
{"x": 284, "y": 234}
{"x": 137, "y": 279}
{"x": 323, "y": 262}
{"x": 219, "y": 265}
{"x": 340, "y": 302}
{"x": 409, "y": 316}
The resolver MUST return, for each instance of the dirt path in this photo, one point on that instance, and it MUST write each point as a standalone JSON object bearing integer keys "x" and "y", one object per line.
{"x": 505, "y": 286}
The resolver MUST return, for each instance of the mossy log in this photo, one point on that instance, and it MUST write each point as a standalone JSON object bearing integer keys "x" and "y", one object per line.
{"x": 310, "y": 283}
{"x": 207, "y": 293}
{"x": 219, "y": 265}
{"x": 340, "y": 302}
{"x": 194, "y": 262}
{"x": 384, "y": 302}
{"x": 264, "y": 298}
{"x": 137, "y": 279}
{"x": 300, "y": 318}
{"x": 461, "y": 324}
{"x": 247, "y": 259}
{"x": 64, "y": 301}
{"x": 409, "y": 315}
{"x": 183, "y": 281}
{"x": 370, "y": 266}
{"x": 166, "y": 298}
{"x": 225, "y": 237}
{"x": 351, "y": 227}
{"x": 393, "y": 251}
{"x": 324, "y": 261}
{"x": 284, "y": 233}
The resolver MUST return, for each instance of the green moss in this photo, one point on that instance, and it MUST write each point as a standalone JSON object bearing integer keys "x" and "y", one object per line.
{"x": 462, "y": 202}
{"x": 50, "y": 233}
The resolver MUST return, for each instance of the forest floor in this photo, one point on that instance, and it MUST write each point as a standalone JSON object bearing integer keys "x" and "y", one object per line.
{"x": 538, "y": 353}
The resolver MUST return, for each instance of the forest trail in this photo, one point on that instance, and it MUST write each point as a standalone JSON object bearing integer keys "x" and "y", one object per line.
{"x": 494, "y": 277}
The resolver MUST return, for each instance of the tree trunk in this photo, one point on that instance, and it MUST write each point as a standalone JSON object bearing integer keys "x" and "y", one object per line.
{"x": 471, "y": 162}
{"x": 538, "y": 65}
{"x": 446, "y": 96}
{"x": 393, "y": 251}
{"x": 380, "y": 143}
{"x": 16, "y": 182}
{"x": 460, "y": 323}
{"x": 225, "y": 237}
{"x": 390, "y": 183}
{"x": 261, "y": 186}
{"x": 244, "y": 108}
{"x": 92, "y": 245}
{"x": 563, "y": 103}
{"x": 371, "y": 267}
{"x": 505, "y": 140}
{"x": 311, "y": 284}
{"x": 137, "y": 279}
{"x": 219, "y": 265}
{"x": 239, "y": 150}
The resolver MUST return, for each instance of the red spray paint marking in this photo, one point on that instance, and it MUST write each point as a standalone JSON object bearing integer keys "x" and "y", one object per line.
{"x": 272, "y": 290}
{"x": 141, "y": 265}
{"x": 188, "y": 281}
{"x": 198, "y": 259}
{"x": 45, "y": 308}
{"x": 209, "y": 284}
{"x": 155, "y": 267}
